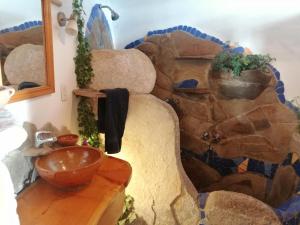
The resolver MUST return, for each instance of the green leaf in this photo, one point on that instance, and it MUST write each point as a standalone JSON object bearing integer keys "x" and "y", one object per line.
{"x": 228, "y": 61}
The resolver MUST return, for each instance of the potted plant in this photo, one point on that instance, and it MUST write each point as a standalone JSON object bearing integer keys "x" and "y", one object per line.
{"x": 246, "y": 76}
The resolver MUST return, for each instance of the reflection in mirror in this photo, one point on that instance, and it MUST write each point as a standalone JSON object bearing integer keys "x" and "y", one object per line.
{"x": 21, "y": 44}
{"x": 26, "y": 47}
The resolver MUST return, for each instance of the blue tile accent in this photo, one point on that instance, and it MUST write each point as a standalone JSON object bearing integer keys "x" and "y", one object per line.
{"x": 256, "y": 166}
{"x": 203, "y": 35}
{"x": 277, "y": 75}
{"x": 238, "y": 50}
{"x": 275, "y": 71}
{"x": 23, "y": 26}
{"x": 198, "y": 33}
{"x": 280, "y": 90}
{"x": 293, "y": 107}
{"x": 137, "y": 42}
{"x": 131, "y": 45}
{"x": 238, "y": 161}
{"x": 193, "y": 31}
{"x": 296, "y": 167}
{"x": 268, "y": 169}
{"x": 281, "y": 98}
{"x": 185, "y": 28}
{"x": 279, "y": 84}
{"x": 289, "y": 211}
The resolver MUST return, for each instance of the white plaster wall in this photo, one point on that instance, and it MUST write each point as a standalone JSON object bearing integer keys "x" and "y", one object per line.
{"x": 264, "y": 26}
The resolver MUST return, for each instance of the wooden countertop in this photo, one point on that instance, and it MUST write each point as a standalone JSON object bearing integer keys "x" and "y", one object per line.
{"x": 42, "y": 204}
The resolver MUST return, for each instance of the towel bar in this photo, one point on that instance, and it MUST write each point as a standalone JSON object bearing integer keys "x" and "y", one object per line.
{"x": 90, "y": 93}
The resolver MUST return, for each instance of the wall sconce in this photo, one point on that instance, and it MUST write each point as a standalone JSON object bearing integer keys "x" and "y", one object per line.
{"x": 114, "y": 15}
{"x": 70, "y": 23}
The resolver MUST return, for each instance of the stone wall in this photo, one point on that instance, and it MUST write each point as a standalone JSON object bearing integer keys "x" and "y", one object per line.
{"x": 236, "y": 134}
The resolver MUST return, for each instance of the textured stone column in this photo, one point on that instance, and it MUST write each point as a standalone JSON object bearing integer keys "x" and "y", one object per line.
{"x": 163, "y": 194}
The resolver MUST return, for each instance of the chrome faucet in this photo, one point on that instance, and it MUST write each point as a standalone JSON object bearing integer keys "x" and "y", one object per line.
{"x": 42, "y": 137}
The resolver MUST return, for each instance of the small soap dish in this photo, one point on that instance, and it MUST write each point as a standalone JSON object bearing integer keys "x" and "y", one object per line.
{"x": 67, "y": 139}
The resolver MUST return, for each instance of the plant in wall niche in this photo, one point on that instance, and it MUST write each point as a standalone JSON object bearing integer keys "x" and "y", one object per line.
{"x": 228, "y": 61}
{"x": 84, "y": 73}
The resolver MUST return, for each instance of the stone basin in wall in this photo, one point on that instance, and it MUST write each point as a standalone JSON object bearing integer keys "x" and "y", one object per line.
{"x": 239, "y": 89}
{"x": 249, "y": 85}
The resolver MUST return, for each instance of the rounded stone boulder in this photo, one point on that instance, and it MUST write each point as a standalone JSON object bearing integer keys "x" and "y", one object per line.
{"x": 228, "y": 208}
{"x": 129, "y": 69}
{"x": 26, "y": 63}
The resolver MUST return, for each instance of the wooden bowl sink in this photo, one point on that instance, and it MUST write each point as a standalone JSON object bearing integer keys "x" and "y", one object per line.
{"x": 69, "y": 167}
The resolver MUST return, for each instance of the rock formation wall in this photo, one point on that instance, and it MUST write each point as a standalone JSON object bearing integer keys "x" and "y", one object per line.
{"x": 235, "y": 133}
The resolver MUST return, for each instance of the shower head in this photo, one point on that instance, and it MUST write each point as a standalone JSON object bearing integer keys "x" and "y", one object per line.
{"x": 114, "y": 15}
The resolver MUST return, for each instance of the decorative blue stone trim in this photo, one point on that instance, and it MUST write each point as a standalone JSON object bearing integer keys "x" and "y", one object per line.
{"x": 198, "y": 34}
{"x": 22, "y": 27}
{"x": 191, "y": 30}
{"x": 293, "y": 107}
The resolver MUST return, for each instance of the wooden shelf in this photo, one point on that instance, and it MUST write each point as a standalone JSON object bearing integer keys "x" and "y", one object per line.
{"x": 193, "y": 90}
{"x": 99, "y": 203}
{"x": 90, "y": 93}
{"x": 205, "y": 57}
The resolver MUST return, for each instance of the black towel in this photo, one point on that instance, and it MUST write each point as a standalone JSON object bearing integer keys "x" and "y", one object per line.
{"x": 112, "y": 113}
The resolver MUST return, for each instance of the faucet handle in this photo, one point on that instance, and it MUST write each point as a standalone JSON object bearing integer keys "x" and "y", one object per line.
{"x": 42, "y": 137}
{"x": 41, "y": 132}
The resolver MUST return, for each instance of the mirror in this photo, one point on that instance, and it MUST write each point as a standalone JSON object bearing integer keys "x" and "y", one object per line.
{"x": 26, "y": 51}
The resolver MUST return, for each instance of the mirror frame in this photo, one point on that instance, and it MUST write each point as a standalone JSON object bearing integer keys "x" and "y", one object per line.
{"x": 49, "y": 65}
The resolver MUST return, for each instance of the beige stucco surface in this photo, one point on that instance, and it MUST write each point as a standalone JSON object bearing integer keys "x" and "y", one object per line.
{"x": 129, "y": 69}
{"x": 163, "y": 194}
{"x": 231, "y": 208}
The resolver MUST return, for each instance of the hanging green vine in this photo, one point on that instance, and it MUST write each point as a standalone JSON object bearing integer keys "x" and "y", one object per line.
{"x": 84, "y": 73}
{"x": 87, "y": 122}
{"x": 83, "y": 70}
{"x": 86, "y": 118}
